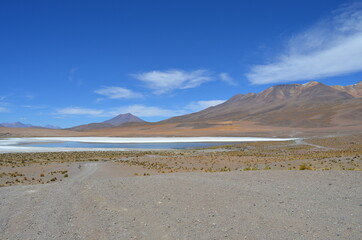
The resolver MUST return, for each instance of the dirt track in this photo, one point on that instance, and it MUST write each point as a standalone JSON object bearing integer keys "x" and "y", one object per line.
{"x": 233, "y": 205}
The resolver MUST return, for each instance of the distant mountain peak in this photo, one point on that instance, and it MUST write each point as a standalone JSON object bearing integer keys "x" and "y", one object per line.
{"x": 310, "y": 90}
{"x": 19, "y": 124}
{"x": 354, "y": 90}
{"x": 311, "y": 83}
{"x": 309, "y": 105}
{"x": 52, "y": 126}
{"x": 123, "y": 118}
{"x": 359, "y": 84}
{"x": 113, "y": 122}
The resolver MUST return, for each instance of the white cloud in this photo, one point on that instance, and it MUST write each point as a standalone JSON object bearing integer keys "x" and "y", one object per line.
{"x": 225, "y": 77}
{"x": 200, "y": 105}
{"x": 3, "y": 109}
{"x": 30, "y": 96}
{"x": 147, "y": 111}
{"x": 137, "y": 110}
{"x": 34, "y": 106}
{"x": 98, "y": 100}
{"x": 79, "y": 111}
{"x": 167, "y": 81}
{"x": 118, "y": 92}
{"x": 332, "y": 47}
{"x": 72, "y": 76}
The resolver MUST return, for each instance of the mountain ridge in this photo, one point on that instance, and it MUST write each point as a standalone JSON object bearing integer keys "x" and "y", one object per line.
{"x": 312, "y": 104}
{"x": 116, "y": 121}
{"x": 354, "y": 89}
{"x": 19, "y": 124}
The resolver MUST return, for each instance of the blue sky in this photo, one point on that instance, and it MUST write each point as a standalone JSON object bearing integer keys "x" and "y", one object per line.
{"x": 73, "y": 62}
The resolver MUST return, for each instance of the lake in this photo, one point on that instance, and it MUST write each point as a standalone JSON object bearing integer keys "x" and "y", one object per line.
{"x": 113, "y": 143}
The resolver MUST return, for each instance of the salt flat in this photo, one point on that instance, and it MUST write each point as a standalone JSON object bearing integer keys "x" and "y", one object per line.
{"x": 19, "y": 149}
{"x": 8, "y": 141}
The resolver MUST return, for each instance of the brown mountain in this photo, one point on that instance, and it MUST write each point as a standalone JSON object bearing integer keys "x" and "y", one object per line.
{"x": 289, "y": 105}
{"x": 117, "y": 121}
{"x": 123, "y": 118}
{"x": 354, "y": 90}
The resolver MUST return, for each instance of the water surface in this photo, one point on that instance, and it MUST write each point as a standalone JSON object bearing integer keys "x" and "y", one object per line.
{"x": 171, "y": 145}
{"x": 120, "y": 143}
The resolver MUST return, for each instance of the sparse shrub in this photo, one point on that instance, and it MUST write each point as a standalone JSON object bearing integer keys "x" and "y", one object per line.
{"x": 305, "y": 167}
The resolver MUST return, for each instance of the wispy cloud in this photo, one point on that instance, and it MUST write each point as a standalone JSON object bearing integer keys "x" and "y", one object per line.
{"x": 72, "y": 73}
{"x": 200, "y": 105}
{"x": 167, "y": 81}
{"x": 2, "y": 98}
{"x": 34, "y": 106}
{"x": 147, "y": 111}
{"x": 72, "y": 76}
{"x": 3, "y": 109}
{"x": 331, "y": 47}
{"x": 139, "y": 110}
{"x": 118, "y": 93}
{"x": 79, "y": 111}
{"x": 30, "y": 96}
{"x": 225, "y": 77}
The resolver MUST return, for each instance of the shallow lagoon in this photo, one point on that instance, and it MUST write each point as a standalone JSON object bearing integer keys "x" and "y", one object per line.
{"x": 118, "y": 143}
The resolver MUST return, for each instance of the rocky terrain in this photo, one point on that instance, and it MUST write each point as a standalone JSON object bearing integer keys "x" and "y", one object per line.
{"x": 237, "y": 205}
{"x": 304, "y": 189}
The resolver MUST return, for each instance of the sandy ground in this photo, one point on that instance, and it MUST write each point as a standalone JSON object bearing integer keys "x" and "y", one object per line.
{"x": 215, "y": 129}
{"x": 333, "y": 153}
{"x": 94, "y": 204}
{"x": 213, "y": 193}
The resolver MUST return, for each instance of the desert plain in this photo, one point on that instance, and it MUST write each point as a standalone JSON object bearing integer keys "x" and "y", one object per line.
{"x": 309, "y": 188}
{"x": 99, "y": 102}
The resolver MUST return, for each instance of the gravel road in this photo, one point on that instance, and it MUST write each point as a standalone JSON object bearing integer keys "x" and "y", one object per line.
{"x": 233, "y": 205}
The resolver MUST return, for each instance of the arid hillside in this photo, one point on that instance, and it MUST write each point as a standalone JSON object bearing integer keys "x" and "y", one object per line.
{"x": 310, "y": 105}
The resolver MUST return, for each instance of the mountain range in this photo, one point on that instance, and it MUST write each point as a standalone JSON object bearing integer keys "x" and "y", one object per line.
{"x": 280, "y": 110}
{"x": 308, "y": 105}
{"x": 25, "y": 125}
